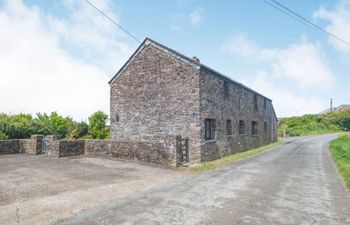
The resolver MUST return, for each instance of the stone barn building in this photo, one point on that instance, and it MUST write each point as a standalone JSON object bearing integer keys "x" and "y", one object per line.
{"x": 160, "y": 93}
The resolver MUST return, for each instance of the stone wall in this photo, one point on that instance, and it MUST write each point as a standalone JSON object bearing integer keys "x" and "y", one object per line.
{"x": 36, "y": 145}
{"x": 161, "y": 151}
{"x": 10, "y": 146}
{"x": 157, "y": 95}
{"x": 63, "y": 148}
{"x": 29, "y": 146}
{"x": 236, "y": 104}
{"x": 26, "y": 145}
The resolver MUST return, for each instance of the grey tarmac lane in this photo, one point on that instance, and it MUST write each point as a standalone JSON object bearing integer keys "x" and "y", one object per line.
{"x": 296, "y": 183}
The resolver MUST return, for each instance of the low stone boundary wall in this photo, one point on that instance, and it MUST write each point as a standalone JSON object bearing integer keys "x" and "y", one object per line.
{"x": 64, "y": 148}
{"x": 10, "y": 146}
{"x": 29, "y": 146}
{"x": 161, "y": 151}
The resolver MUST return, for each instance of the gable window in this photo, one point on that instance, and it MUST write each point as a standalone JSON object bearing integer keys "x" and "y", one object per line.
{"x": 265, "y": 126}
{"x": 226, "y": 89}
{"x": 228, "y": 127}
{"x": 255, "y": 102}
{"x": 254, "y": 128}
{"x": 209, "y": 129}
{"x": 241, "y": 127}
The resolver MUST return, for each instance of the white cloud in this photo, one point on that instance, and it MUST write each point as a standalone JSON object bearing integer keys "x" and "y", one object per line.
{"x": 338, "y": 23}
{"x": 302, "y": 63}
{"x": 286, "y": 102}
{"x": 39, "y": 75}
{"x": 196, "y": 16}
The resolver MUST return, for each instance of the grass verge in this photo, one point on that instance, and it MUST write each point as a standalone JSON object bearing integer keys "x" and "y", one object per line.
{"x": 233, "y": 158}
{"x": 340, "y": 149}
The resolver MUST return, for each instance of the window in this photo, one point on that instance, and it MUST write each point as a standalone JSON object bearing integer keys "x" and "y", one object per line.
{"x": 265, "y": 126}
{"x": 116, "y": 118}
{"x": 255, "y": 102}
{"x": 209, "y": 129}
{"x": 254, "y": 128}
{"x": 228, "y": 127}
{"x": 264, "y": 103}
{"x": 226, "y": 89}
{"x": 241, "y": 127}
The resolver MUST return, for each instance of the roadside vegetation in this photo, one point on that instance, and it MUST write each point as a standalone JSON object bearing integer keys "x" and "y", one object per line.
{"x": 233, "y": 158}
{"x": 340, "y": 149}
{"x": 315, "y": 124}
{"x": 22, "y": 125}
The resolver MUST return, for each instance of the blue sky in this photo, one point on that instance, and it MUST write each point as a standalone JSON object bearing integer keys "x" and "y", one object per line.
{"x": 59, "y": 55}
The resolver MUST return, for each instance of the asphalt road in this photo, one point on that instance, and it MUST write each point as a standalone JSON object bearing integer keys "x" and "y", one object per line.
{"x": 296, "y": 183}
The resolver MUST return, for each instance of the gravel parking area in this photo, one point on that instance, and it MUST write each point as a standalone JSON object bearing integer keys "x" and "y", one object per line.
{"x": 40, "y": 189}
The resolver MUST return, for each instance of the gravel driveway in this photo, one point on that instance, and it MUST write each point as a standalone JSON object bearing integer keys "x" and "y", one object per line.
{"x": 40, "y": 189}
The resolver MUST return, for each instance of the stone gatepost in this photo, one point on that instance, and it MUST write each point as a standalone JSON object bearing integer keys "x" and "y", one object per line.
{"x": 36, "y": 145}
{"x": 52, "y": 142}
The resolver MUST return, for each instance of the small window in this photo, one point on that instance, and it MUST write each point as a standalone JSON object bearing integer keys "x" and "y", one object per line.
{"x": 226, "y": 89}
{"x": 265, "y": 126}
{"x": 209, "y": 129}
{"x": 255, "y": 102}
{"x": 116, "y": 118}
{"x": 254, "y": 128}
{"x": 264, "y": 103}
{"x": 241, "y": 127}
{"x": 228, "y": 127}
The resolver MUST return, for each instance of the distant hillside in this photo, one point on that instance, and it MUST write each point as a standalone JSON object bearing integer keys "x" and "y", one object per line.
{"x": 315, "y": 124}
{"x": 336, "y": 109}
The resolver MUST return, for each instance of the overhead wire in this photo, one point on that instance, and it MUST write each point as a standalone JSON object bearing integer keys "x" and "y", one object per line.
{"x": 289, "y": 12}
{"x": 113, "y": 21}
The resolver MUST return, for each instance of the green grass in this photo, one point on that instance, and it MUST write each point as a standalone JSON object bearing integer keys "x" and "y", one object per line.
{"x": 233, "y": 158}
{"x": 340, "y": 149}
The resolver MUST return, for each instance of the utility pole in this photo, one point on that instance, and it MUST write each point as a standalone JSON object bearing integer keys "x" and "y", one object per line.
{"x": 331, "y": 105}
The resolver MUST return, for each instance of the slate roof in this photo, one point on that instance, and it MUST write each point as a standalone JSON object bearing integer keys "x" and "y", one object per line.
{"x": 188, "y": 60}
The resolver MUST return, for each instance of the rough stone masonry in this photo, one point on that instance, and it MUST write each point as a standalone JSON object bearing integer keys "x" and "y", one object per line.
{"x": 160, "y": 93}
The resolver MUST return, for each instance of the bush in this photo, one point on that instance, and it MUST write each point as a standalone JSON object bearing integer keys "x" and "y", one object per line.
{"x": 315, "y": 124}
{"x": 344, "y": 136}
{"x": 97, "y": 125}
{"x": 24, "y": 125}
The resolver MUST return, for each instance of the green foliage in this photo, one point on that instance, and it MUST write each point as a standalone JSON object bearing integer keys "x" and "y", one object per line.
{"x": 82, "y": 128}
{"x": 24, "y": 125}
{"x": 316, "y": 124}
{"x": 18, "y": 126}
{"x": 3, "y": 136}
{"x": 97, "y": 125}
{"x": 340, "y": 149}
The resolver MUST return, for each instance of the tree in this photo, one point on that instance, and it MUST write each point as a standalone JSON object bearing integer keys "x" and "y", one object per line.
{"x": 19, "y": 126}
{"x": 82, "y": 128}
{"x": 97, "y": 125}
{"x": 61, "y": 125}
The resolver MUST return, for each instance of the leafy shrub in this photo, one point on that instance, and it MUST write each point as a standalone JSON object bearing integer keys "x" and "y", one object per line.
{"x": 315, "y": 124}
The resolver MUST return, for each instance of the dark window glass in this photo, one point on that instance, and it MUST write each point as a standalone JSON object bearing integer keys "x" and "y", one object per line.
{"x": 265, "y": 126}
{"x": 209, "y": 129}
{"x": 254, "y": 128}
{"x": 241, "y": 127}
{"x": 228, "y": 127}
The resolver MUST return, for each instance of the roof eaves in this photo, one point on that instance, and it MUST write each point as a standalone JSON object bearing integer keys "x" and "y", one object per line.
{"x": 218, "y": 74}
